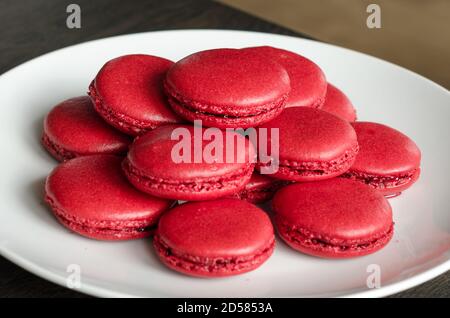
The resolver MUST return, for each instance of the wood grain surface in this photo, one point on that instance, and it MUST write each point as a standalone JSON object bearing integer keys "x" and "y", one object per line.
{"x": 412, "y": 32}
{"x": 29, "y": 28}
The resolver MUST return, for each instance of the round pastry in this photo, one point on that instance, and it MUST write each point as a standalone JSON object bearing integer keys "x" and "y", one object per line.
{"x": 308, "y": 82}
{"x": 214, "y": 238}
{"x": 313, "y": 145}
{"x": 128, "y": 93}
{"x": 73, "y": 129}
{"x": 90, "y": 196}
{"x": 336, "y": 218}
{"x": 227, "y": 88}
{"x": 388, "y": 160}
{"x": 183, "y": 168}
{"x": 337, "y": 103}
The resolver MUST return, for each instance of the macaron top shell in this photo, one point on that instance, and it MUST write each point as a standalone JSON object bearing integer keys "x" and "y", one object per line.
{"x": 384, "y": 150}
{"x": 132, "y": 86}
{"x": 219, "y": 228}
{"x": 228, "y": 77}
{"x": 156, "y": 153}
{"x": 337, "y": 103}
{"x": 335, "y": 209}
{"x": 308, "y": 82}
{"x": 94, "y": 188}
{"x": 75, "y": 126}
{"x": 311, "y": 135}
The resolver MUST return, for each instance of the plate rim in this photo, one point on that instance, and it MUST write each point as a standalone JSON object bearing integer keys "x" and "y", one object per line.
{"x": 94, "y": 290}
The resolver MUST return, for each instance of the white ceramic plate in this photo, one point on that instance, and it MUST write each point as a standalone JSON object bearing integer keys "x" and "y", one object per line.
{"x": 382, "y": 92}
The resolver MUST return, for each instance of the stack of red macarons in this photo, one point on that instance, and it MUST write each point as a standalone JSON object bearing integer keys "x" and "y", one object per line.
{"x": 153, "y": 134}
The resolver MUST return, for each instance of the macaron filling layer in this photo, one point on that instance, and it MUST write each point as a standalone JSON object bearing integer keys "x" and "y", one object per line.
{"x": 107, "y": 228}
{"x": 59, "y": 152}
{"x": 309, "y": 240}
{"x": 382, "y": 182}
{"x": 125, "y": 122}
{"x": 186, "y": 109}
{"x": 317, "y": 168}
{"x": 196, "y": 185}
{"x": 216, "y": 265}
{"x": 223, "y": 121}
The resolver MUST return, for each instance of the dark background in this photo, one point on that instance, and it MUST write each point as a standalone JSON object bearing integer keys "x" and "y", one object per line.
{"x": 29, "y": 28}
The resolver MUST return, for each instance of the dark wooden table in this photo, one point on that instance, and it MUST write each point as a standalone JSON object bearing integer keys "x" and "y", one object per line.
{"x": 29, "y": 28}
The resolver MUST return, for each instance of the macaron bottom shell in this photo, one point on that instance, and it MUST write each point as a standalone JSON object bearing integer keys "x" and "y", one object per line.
{"x": 210, "y": 267}
{"x": 192, "y": 190}
{"x": 389, "y": 186}
{"x": 317, "y": 245}
{"x": 211, "y": 119}
{"x": 103, "y": 230}
{"x": 314, "y": 171}
{"x": 58, "y": 152}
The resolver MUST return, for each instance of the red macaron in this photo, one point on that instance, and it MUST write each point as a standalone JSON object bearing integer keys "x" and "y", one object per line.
{"x": 90, "y": 196}
{"x": 227, "y": 88}
{"x": 260, "y": 188}
{"x": 128, "y": 93}
{"x": 175, "y": 162}
{"x": 337, "y": 103}
{"x": 336, "y": 218}
{"x": 73, "y": 128}
{"x": 313, "y": 145}
{"x": 308, "y": 82}
{"x": 388, "y": 160}
{"x": 214, "y": 238}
